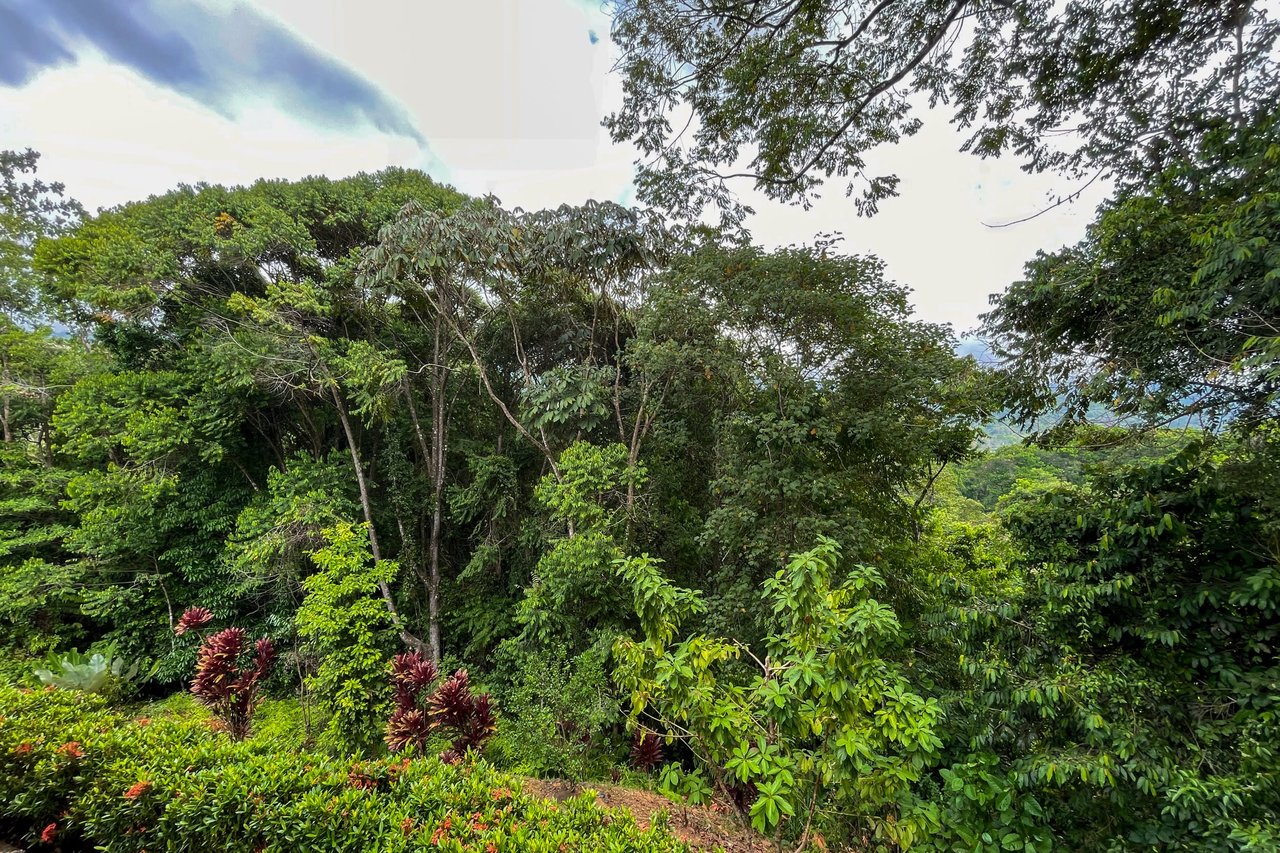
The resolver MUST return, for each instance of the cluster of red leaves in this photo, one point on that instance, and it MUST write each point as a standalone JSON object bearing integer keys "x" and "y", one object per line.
{"x": 646, "y": 751}
{"x": 71, "y": 749}
{"x": 227, "y": 688}
{"x": 138, "y": 789}
{"x": 361, "y": 778}
{"x": 50, "y": 833}
{"x": 442, "y": 831}
{"x": 192, "y": 619}
{"x": 450, "y": 707}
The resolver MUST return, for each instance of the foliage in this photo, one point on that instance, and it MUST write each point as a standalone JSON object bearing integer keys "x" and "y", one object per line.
{"x": 345, "y": 627}
{"x": 101, "y": 779}
{"x": 424, "y": 705}
{"x": 823, "y": 724}
{"x": 29, "y": 209}
{"x": 992, "y": 475}
{"x": 277, "y": 532}
{"x": 228, "y": 685}
{"x": 1087, "y": 325}
{"x": 572, "y": 592}
{"x": 193, "y": 619}
{"x": 783, "y": 94}
{"x": 558, "y": 714}
{"x": 101, "y": 671}
{"x": 646, "y": 750}
{"x": 370, "y": 419}
{"x": 1123, "y": 688}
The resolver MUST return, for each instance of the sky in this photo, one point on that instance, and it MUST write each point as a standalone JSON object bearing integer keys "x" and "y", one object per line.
{"x": 129, "y": 98}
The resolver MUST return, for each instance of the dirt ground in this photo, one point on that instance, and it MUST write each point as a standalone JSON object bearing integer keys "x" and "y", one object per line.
{"x": 707, "y": 828}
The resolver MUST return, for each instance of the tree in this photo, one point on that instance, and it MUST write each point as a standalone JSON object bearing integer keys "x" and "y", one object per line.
{"x": 822, "y": 724}
{"x": 784, "y": 92}
{"x": 238, "y": 339}
{"x": 1123, "y": 683}
{"x": 29, "y": 210}
{"x": 832, "y": 410}
{"x": 1168, "y": 309}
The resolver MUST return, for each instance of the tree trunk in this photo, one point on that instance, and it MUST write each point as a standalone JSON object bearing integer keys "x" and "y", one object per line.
{"x": 4, "y": 411}
{"x": 367, "y": 505}
{"x": 439, "y": 435}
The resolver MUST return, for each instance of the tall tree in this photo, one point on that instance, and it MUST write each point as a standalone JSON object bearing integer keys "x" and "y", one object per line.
{"x": 1170, "y": 306}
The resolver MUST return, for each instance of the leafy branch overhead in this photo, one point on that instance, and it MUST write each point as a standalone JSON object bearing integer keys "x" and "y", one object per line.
{"x": 781, "y": 94}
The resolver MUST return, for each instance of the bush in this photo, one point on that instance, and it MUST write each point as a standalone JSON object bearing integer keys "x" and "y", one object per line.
{"x": 346, "y": 628}
{"x": 226, "y": 683}
{"x": 424, "y": 707}
{"x": 75, "y": 772}
{"x": 828, "y": 734}
{"x": 557, "y": 715}
{"x": 99, "y": 672}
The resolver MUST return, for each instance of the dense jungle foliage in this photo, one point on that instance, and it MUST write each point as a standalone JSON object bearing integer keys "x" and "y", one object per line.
{"x": 592, "y": 492}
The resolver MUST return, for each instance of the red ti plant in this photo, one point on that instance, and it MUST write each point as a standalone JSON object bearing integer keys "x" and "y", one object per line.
{"x": 646, "y": 751}
{"x": 229, "y": 689}
{"x": 192, "y": 619}
{"x": 451, "y": 707}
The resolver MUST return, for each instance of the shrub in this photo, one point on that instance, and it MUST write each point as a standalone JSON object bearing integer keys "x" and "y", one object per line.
{"x": 100, "y": 672}
{"x": 226, "y": 685}
{"x": 646, "y": 751}
{"x": 450, "y": 708}
{"x": 106, "y": 781}
{"x": 558, "y": 713}
{"x": 344, "y": 624}
{"x": 826, "y": 732}
{"x": 193, "y": 619}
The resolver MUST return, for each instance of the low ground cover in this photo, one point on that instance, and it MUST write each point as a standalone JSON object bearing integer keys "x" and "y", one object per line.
{"x": 78, "y": 774}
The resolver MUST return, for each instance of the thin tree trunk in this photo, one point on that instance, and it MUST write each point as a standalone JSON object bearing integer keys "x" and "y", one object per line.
{"x": 367, "y": 505}
{"x": 439, "y": 376}
{"x": 4, "y": 412}
{"x": 433, "y": 466}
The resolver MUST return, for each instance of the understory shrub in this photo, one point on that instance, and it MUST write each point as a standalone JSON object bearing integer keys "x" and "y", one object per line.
{"x": 78, "y": 774}
{"x": 558, "y": 714}
{"x": 227, "y": 683}
{"x": 826, "y": 735}
{"x": 100, "y": 671}
{"x": 348, "y": 633}
{"x": 424, "y": 708}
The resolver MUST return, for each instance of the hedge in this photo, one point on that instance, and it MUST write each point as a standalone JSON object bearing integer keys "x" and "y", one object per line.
{"x": 75, "y": 774}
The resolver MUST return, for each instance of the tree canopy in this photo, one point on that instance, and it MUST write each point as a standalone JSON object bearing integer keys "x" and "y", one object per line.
{"x": 785, "y": 93}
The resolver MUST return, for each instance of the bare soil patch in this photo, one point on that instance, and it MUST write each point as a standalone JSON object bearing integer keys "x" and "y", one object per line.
{"x": 705, "y": 827}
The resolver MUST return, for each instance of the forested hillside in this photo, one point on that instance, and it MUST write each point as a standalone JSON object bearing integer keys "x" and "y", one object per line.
{"x": 595, "y": 493}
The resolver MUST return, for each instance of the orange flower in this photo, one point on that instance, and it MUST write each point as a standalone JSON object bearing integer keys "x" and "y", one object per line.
{"x": 442, "y": 831}
{"x": 138, "y": 789}
{"x": 50, "y": 833}
{"x": 143, "y": 721}
{"x": 22, "y": 748}
{"x": 71, "y": 749}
